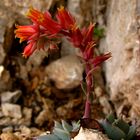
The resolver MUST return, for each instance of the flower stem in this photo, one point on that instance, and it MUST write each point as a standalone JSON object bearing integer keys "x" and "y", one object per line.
{"x": 89, "y": 84}
{"x": 87, "y": 109}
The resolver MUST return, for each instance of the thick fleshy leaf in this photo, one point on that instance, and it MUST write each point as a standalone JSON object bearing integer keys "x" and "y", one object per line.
{"x": 47, "y": 137}
{"x": 122, "y": 125}
{"x": 111, "y": 118}
{"x": 112, "y": 131}
{"x": 62, "y": 134}
{"x": 75, "y": 126}
{"x": 66, "y": 126}
{"x": 57, "y": 125}
{"x": 132, "y": 132}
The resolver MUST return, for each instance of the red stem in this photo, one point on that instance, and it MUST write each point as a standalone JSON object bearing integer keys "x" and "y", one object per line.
{"x": 87, "y": 112}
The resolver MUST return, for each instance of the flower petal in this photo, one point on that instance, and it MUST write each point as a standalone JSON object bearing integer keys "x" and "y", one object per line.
{"x": 29, "y": 49}
{"x": 65, "y": 18}
{"x": 99, "y": 59}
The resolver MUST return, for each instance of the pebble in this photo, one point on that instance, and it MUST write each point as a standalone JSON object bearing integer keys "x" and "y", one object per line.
{"x": 10, "y": 97}
{"x": 8, "y": 136}
{"x": 11, "y": 110}
{"x": 7, "y": 129}
{"x": 27, "y": 115}
{"x": 41, "y": 118}
{"x": 25, "y": 130}
{"x": 66, "y": 72}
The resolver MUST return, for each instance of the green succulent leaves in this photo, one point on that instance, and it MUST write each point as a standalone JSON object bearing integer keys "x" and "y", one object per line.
{"x": 118, "y": 129}
{"x": 61, "y": 131}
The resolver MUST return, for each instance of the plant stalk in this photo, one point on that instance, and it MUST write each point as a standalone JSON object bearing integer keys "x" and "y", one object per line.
{"x": 89, "y": 84}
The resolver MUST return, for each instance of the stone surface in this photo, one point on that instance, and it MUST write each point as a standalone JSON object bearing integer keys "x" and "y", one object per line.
{"x": 86, "y": 134}
{"x": 66, "y": 72}
{"x": 7, "y": 129}
{"x": 36, "y": 59}
{"x": 10, "y": 97}
{"x": 41, "y": 118}
{"x": 123, "y": 69}
{"x": 2, "y": 54}
{"x": 5, "y": 80}
{"x": 27, "y": 115}
{"x": 25, "y": 130}
{"x": 5, "y": 121}
{"x": 8, "y": 136}
{"x": 11, "y": 110}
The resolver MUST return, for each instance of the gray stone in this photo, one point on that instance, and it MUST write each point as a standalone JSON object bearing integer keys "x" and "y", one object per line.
{"x": 10, "y": 97}
{"x": 2, "y": 54}
{"x": 123, "y": 69}
{"x": 25, "y": 130}
{"x": 27, "y": 115}
{"x": 8, "y": 136}
{"x": 5, "y": 80}
{"x": 87, "y": 134}
{"x": 68, "y": 48}
{"x": 5, "y": 121}
{"x": 7, "y": 129}
{"x": 42, "y": 117}
{"x": 66, "y": 72}
{"x": 1, "y": 113}
{"x": 75, "y": 9}
{"x": 35, "y": 59}
{"x": 11, "y": 110}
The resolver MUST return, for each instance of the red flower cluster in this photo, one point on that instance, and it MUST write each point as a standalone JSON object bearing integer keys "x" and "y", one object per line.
{"x": 45, "y": 30}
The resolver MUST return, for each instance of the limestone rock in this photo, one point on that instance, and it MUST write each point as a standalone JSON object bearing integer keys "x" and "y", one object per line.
{"x": 25, "y": 130}
{"x": 7, "y": 129}
{"x": 74, "y": 8}
{"x": 86, "y": 134}
{"x": 11, "y": 110}
{"x": 8, "y": 136}
{"x": 123, "y": 69}
{"x": 2, "y": 54}
{"x": 5, "y": 121}
{"x": 27, "y": 115}
{"x": 66, "y": 72}
{"x": 5, "y": 79}
{"x": 10, "y": 97}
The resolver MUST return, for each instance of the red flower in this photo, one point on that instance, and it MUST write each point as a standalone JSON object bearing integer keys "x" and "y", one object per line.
{"x": 99, "y": 59}
{"x": 36, "y": 38}
{"x": 88, "y": 34}
{"x": 88, "y": 52}
{"x": 34, "y": 45}
{"x": 27, "y": 32}
{"x": 65, "y": 19}
{"x": 45, "y": 20}
{"x": 76, "y": 37}
{"x": 29, "y": 49}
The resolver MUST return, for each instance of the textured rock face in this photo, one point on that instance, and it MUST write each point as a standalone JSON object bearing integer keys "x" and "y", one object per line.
{"x": 66, "y": 72}
{"x": 86, "y": 134}
{"x": 123, "y": 69}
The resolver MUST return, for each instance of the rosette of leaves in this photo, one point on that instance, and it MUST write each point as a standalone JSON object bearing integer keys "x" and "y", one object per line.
{"x": 118, "y": 129}
{"x": 61, "y": 131}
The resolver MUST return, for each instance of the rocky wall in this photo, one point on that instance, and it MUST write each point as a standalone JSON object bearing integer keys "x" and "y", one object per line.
{"x": 123, "y": 69}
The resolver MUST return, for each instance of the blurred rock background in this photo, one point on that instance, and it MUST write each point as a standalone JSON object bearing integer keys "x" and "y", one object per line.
{"x": 36, "y": 91}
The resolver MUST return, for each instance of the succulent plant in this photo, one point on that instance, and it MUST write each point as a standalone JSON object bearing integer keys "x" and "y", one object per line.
{"x": 118, "y": 129}
{"x": 61, "y": 131}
